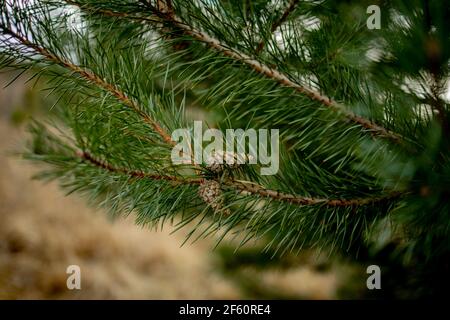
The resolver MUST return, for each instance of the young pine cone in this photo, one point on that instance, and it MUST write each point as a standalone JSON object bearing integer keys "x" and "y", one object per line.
{"x": 219, "y": 160}
{"x": 210, "y": 192}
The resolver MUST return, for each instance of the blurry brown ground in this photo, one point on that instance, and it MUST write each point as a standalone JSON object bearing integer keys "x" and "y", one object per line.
{"x": 42, "y": 232}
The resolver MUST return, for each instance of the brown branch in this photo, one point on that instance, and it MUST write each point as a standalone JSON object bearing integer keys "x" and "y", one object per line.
{"x": 244, "y": 187}
{"x": 279, "y": 22}
{"x": 286, "y": 197}
{"x": 92, "y": 78}
{"x": 133, "y": 173}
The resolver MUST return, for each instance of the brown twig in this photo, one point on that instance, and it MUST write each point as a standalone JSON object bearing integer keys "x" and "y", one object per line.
{"x": 133, "y": 173}
{"x": 279, "y": 22}
{"x": 286, "y": 197}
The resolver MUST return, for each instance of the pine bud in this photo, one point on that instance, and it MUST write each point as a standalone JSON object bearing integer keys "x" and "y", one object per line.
{"x": 220, "y": 160}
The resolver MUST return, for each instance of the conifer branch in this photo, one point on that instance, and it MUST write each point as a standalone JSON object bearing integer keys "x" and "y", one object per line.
{"x": 305, "y": 201}
{"x": 91, "y": 78}
{"x": 170, "y": 18}
{"x": 86, "y": 156}
{"x": 245, "y": 187}
{"x": 274, "y": 74}
{"x": 337, "y": 190}
{"x": 279, "y": 22}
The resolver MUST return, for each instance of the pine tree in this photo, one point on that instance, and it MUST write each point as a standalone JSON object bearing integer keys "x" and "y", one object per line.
{"x": 362, "y": 116}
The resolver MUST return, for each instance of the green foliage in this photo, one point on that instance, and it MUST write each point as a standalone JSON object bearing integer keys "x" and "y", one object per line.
{"x": 144, "y": 64}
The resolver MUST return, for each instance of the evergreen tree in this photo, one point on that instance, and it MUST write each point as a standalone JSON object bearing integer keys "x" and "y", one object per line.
{"x": 362, "y": 115}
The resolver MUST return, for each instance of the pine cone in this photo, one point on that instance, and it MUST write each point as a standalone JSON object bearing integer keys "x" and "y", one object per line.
{"x": 221, "y": 160}
{"x": 210, "y": 192}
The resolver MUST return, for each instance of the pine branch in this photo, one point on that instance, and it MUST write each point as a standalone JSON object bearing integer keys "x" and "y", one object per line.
{"x": 177, "y": 25}
{"x": 306, "y": 201}
{"x": 336, "y": 188}
{"x": 245, "y": 187}
{"x": 91, "y": 78}
{"x": 133, "y": 173}
{"x": 274, "y": 74}
{"x": 279, "y": 22}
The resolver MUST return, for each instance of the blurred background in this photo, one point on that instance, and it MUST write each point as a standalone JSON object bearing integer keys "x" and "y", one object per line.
{"x": 42, "y": 232}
